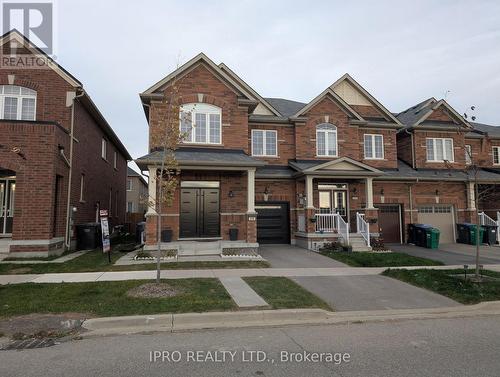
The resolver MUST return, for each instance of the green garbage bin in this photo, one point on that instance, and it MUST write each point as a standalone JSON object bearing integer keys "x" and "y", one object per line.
{"x": 432, "y": 238}
{"x": 474, "y": 235}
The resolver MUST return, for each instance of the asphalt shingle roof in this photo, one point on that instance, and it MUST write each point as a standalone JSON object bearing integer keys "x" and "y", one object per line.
{"x": 411, "y": 115}
{"x": 491, "y": 130}
{"x": 286, "y": 107}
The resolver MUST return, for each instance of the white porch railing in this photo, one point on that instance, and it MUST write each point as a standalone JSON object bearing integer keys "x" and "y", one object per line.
{"x": 498, "y": 227}
{"x": 332, "y": 223}
{"x": 486, "y": 220}
{"x": 362, "y": 227}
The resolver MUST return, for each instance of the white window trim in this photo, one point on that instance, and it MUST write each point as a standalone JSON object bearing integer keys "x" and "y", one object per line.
{"x": 132, "y": 209}
{"x": 468, "y": 154}
{"x": 443, "y": 141}
{"x": 20, "y": 98}
{"x": 326, "y": 142}
{"x": 493, "y": 154}
{"x": 373, "y": 137}
{"x": 82, "y": 188}
{"x": 104, "y": 149}
{"x": 131, "y": 186}
{"x": 201, "y": 108}
{"x": 115, "y": 160}
{"x": 264, "y": 143}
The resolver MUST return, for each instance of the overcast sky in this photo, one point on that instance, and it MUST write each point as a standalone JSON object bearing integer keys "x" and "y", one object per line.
{"x": 401, "y": 51}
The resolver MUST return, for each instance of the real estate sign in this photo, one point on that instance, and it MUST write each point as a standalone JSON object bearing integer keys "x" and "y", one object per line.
{"x": 106, "y": 246}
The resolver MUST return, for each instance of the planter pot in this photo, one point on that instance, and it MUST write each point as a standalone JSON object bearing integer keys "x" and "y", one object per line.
{"x": 233, "y": 234}
{"x": 166, "y": 235}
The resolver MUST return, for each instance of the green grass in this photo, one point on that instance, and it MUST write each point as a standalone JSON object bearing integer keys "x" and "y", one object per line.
{"x": 97, "y": 261}
{"x": 370, "y": 259}
{"x": 110, "y": 299}
{"x": 283, "y": 293}
{"x": 440, "y": 281}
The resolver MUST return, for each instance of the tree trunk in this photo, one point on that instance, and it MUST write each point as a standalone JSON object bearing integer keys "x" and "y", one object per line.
{"x": 158, "y": 251}
{"x": 478, "y": 228}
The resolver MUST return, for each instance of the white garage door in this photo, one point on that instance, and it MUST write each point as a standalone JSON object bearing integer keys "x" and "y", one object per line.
{"x": 440, "y": 217}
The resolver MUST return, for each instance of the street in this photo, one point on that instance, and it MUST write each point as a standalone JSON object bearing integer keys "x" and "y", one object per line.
{"x": 444, "y": 347}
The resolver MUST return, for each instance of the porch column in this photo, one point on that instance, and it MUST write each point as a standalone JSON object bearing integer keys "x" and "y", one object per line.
{"x": 471, "y": 193}
{"x": 151, "y": 191}
{"x": 251, "y": 191}
{"x": 309, "y": 192}
{"x": 369, "y": 193}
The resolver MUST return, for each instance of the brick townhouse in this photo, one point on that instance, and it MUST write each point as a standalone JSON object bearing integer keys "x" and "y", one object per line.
{"x": 340, "y": 166}
{"x": 60, "y": 161}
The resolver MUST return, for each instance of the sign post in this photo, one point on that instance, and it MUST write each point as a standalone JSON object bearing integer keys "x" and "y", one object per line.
{"x": 106, "y": 245}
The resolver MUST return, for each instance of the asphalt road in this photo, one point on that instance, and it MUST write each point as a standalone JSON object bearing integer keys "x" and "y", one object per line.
{"x": 446, "y": 347}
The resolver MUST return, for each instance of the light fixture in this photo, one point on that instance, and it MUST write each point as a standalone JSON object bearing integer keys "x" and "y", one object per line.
{"x": 231, "y": 194}
{"x": 381, "y": 191}
{"x": 437, "y": 192}
{"x": 266, "y": 191}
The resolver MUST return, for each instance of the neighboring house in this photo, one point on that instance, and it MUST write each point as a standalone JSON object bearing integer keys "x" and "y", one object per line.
{"x": 282, "y": 171}
{"x": 49, "y": 184}
{"x": 137, "y": 189}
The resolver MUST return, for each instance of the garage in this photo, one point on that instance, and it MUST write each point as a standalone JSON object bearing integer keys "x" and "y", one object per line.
{"x": 273, "y": 223}
{"x": 440, "y": 217}
{"x": 389, "y": 220}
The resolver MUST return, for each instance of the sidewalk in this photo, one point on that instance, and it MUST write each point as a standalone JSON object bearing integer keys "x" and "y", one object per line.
{"x": 209, "y": 273}
{"x": 259, "y": 318}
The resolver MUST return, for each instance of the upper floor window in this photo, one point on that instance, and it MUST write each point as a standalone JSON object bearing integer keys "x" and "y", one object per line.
{"x": 201, "y": 123}
{"x": 17, "y": 103}
{"x": 374, "y": 147}
{"x": 115, "y": 160}
{"x": 440, "y": 150}
{"x": 496, "y": 155}
{"x": 129, "y": 185}
{"x": 468, "y": 154}
{"x": 104, "y": 149}
{"x": 326, "y": 140}
{"x": 264, "y": 143}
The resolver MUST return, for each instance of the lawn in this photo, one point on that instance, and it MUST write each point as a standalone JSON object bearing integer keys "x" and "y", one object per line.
{"x": 370, "y": 259}
{"x": 97, "y": 261}
{"x": 110, "y": 298}
{"x": 283, "y": 293}
{"x": 440, "y": 281}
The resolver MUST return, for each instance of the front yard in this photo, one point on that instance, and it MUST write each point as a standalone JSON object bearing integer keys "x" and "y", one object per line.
{"x": 371, "y": 259}
{"x": 442, "y": 282}
{"x": 95, "y": 260}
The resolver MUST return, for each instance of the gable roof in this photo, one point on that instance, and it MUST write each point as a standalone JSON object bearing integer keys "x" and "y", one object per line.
{"x": 132, "y": 173}
{"x": 328, "y": 92}
{"x": 343, "y": 165}
{"x": 373, "y": 100}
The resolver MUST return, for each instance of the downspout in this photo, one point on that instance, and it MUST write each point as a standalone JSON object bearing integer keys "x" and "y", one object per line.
{"x": 70, "y": 96}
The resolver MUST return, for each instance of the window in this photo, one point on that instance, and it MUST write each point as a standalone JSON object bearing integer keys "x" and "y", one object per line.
{"x": 104, "y": 147}
{"x": 17, "y": 103}
{"x": 326, "y": 140}
{"x": 439, "y": 150}
{"x": 130, "y": 207}
{"x": 264, "y": 143}
{"x": 496, "y": 155}
{"x": 117, "y": 194}
{"x": 200, "y": 123}
{"x": 82, "y": 187}
{"x": 115, "y": 157}
{"x": 129, "y": 185}
{"x": 374, "y": 147}
{"x": 468, "y": 154}
{"x": 110, "y": 202}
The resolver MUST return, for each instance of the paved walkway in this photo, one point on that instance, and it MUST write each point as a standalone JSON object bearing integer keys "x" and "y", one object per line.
{"x": 63, "y": 259}
{"x": 287, "y": 256}
{"x": 242, "y": 294}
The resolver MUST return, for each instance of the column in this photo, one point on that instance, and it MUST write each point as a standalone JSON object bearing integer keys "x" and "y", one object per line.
{"x": 251, "y": 191}
{"x": 471, "y": 193}
{"x": 151, "y": 191}
{"x": 369, "y": 193}
{"x": 309, "y": 192}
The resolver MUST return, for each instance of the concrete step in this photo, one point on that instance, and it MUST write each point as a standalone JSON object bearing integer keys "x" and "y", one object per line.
{"x": 199, "y": 248}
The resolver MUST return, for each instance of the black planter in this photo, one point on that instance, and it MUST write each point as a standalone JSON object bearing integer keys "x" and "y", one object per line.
{"x": 233, "y": 234}
{"x": 166, "y": 235}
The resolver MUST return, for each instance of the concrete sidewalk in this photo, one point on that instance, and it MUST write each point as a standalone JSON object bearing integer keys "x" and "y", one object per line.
{"x": 208, "y": 273}
{"x": 259, "y": 318}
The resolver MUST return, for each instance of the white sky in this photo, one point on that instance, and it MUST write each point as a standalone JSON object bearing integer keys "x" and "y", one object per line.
{"x": 401, "y": 51}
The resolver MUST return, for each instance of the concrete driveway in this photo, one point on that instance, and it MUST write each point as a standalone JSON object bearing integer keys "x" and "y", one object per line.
{"x": 345, "y": 293}
{"x": 452, "y": 253}
{"x": 288, "y": 256}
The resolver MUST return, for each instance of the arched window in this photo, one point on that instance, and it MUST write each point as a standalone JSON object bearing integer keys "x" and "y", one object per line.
{"x": 17, "y": 103}
{"x": 326, "y": 140}
{"x": 200, "y": 123}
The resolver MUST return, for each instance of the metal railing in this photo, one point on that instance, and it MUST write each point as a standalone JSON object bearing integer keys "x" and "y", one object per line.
{"x": 332, "y": 223}
{"x": 362, "y": 227}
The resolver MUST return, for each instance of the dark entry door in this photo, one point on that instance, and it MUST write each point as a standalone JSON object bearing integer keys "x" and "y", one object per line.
{"x": 199, "y": 217}
{"x": 7, "y": 194}
{"x": 389, "y": 218}
{"x": 273, "y": 224}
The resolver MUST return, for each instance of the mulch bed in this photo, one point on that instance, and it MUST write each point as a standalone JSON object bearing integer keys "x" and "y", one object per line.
{"x": 153, "y": 290}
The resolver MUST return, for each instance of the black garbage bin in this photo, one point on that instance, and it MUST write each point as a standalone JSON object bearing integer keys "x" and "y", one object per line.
{"x": 490, "y": 234}
{"x": 140, "y": 235}
{"x": 411, "y": 233}
{"x": 421, "y": 234}
{"x": 88, "y": 236}
{"x": 463, "y": 233}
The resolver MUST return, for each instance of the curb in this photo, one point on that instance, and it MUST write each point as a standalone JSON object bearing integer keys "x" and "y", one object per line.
{"x": 264, "y": 318}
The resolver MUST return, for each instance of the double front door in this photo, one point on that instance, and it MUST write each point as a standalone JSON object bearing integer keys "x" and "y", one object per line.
{"x": 199, "y": 217}
{"x": 333, "y": 198}
{"x": 7, "y": 196}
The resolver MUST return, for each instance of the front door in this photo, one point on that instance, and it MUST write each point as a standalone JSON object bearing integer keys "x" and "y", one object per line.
{"x": 199, "y": 217}
{"x": 7, "y": 196}
{"x": 334, "y": 199}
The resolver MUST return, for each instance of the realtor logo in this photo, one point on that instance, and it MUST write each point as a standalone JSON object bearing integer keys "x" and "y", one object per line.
{"x": 35, "y": 20}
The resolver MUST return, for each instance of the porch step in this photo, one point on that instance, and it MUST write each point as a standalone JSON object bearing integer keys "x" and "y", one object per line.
{"x": 358, "y": 243}
{"x": 199, "y": 248}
